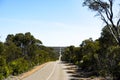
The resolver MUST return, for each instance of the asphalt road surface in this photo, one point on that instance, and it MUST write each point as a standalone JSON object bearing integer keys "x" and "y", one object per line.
{"x": 51, "y": 71}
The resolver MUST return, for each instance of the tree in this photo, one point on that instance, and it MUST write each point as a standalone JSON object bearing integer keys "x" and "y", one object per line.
{"x": 21, "y": 52}
{"x": 106, "y": 40}
{"x": 89, "y": 53}
{"x": 69, "y": 54}
{"x": 1, "y": 48}
{"x": 109, "y": 56}
{"x": 4, "y": 70}
{"x": 18, "y": 39}
{"x": 9, "y": 39}
{"x": 12, "y": 52}
{"x": 107, "y": 14}
{"x": 18, "y": 66}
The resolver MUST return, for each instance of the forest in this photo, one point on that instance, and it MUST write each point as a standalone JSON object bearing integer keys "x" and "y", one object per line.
{"x": 21, "y": 52}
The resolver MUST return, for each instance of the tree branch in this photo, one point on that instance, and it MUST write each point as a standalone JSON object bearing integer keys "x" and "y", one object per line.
{"x": 110, "y": 27}
{"x": 118, "y": 22}
{"x": 113, "y": 34}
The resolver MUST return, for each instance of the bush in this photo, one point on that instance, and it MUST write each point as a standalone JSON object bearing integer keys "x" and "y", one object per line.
{"x": 1, "y": 76}
{"x": 4, "y": 69}
{"x": 19, "y": 66}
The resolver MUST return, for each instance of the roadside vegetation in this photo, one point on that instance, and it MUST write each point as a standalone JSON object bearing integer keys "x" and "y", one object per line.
{"x": 21, "y": 52}
{"x": 100, "y": 57}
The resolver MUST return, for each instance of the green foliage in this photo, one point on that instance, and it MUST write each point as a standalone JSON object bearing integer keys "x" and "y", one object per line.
{"x": 22, "y": 52}
{"x": 113, "y": 59}
{"x": 19, "y": 66}
{"x": 104, "y": 9}
{"x": 4, "y": 69}
{"x": 96, "y": 5}
{"x": 100, "y": 57}
{"x": 1, "y": 48}
{"x": 1, "y": 76}
{"x": 89, "y": 54}
{"x": 12, "y": 52}
{"x": 69, "y": 55}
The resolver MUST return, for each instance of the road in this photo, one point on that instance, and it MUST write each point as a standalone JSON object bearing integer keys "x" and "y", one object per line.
{"x": 51, "y": 71}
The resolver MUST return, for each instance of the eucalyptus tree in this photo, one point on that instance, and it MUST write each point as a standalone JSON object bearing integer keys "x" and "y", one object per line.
{"x": 105, "y": 9}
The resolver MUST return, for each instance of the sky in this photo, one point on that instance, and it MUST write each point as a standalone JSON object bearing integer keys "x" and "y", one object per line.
{"x": 54, "y": 22}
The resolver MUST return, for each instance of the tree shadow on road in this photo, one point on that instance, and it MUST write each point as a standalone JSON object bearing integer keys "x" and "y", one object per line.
{"x": 77, "y": 73}
{"x": 72, "y": 71}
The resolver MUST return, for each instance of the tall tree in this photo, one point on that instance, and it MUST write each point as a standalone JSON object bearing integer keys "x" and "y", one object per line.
{"x": 104, "y": 8}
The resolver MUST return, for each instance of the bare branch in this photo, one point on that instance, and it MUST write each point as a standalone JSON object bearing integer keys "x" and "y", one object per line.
{"x": 107, "y": 13}
{"x": 118, "y": 23}
{"x": 110, "y": 27}
{"x": 118, "y": 27}
{"x": 111, "y": 8}
{"x": 105, "y": 10}
{"x": 103, "y": 18}
{"x": 113, "y": 34}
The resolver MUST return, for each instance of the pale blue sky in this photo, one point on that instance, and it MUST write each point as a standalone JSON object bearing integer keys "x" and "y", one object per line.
{"x": 54, "y": 22}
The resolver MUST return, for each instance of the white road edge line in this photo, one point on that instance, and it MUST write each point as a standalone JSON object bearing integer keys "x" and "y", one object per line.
{"x": 52, "y": 71}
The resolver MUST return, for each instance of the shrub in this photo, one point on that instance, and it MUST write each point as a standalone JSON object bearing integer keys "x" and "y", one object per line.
{"x": 19, "y": 66}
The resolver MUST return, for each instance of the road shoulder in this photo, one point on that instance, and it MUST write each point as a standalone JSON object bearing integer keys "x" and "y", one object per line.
{"x": 36, "y": 68}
